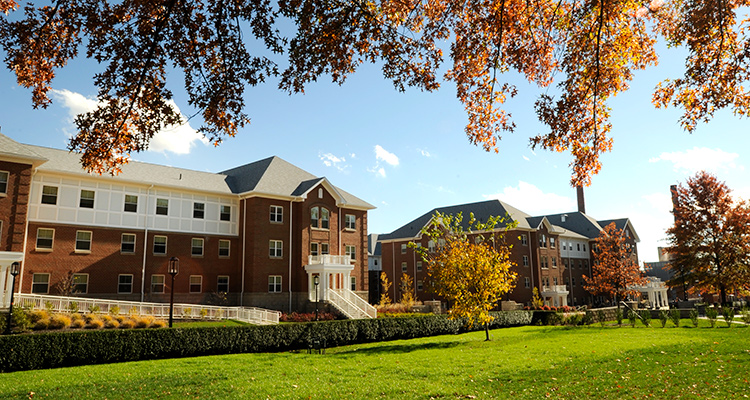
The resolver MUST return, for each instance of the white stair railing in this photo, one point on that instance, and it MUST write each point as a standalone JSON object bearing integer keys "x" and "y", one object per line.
{"x": 251, "y": 315}
{"x": 351, "y": 304}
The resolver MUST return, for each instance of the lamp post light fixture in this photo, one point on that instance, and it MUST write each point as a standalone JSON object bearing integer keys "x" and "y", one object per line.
{"x": 174, "y": 267}
{"x": 316, "y": 282}
{"x": 15, "y": 269}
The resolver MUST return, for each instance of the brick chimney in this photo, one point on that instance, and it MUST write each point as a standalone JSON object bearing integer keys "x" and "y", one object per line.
{"x": 581, "y": 201}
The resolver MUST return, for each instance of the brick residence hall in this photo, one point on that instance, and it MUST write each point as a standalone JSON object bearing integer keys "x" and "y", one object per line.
{"x": 254, "y": 235}
{"x": 550, "y": 252}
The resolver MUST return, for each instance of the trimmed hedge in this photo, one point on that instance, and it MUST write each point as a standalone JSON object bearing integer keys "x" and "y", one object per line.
{"x": 65, "y": 349}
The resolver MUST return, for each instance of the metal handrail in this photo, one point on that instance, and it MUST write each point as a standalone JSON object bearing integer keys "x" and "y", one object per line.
{"x": 252, "y": 315}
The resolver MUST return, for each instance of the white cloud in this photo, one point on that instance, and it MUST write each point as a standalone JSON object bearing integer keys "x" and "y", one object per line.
{"x": 382, "y": 154}
{"x": 659, "y": 201}
{"x": 424, "y": 153}
{"x": 699, "y": 159}
{"x": 526, "y": 158}
{"x": 530, "y": 199}
{"x": 330, "y": 160}
{"x": 175, "y": 139}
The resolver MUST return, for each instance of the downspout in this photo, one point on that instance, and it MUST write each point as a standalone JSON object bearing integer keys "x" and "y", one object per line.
{"x": 290, "y": 256}
{"x": 338, "y": 233}
{"x": 244, "y": 244}
{"x": 25, "y": 236}
{"x": 393, "y": 262}
{"x": 145, "y": 244}
{"x": 531, "y": 265}
{"x": 570, "y": 272}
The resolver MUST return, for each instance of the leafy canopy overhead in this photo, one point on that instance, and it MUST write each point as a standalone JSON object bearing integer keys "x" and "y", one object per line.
{"x": 221, "y": 47}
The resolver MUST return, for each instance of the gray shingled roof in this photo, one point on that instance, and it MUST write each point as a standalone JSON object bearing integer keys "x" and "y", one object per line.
{"x": 270, "y": 176}
{"x": 577, "y": 222}
{"x": 482, "y": 211}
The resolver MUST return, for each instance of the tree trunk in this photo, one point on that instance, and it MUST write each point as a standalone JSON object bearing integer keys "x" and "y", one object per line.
{"x": 487, "y": 331}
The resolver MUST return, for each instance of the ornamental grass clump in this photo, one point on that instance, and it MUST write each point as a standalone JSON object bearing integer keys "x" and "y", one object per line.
{"x": 94, "y": 323}
{"x": 663, "y": 317}
{"x": 674, "y": 315}
{"x": 694, "y": 317}
{"x": 601, "y": 316}
{"x": 728, "y": 314}
{"x": 41, "y": 324}
{"x": 143, "y": 321}
{"x": 59, "y": 321}
{"x": 745, "y": 314}
{"x": 619, "y": 316}
{"x": 127, "y": 324}
{"x": 712, "y": 313}
{"x": 36, "y": 315}
{"x": 645, "y": 317}
{"x": 632, "y": 317}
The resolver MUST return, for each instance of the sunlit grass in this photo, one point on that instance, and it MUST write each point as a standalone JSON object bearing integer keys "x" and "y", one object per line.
{"x": 527, "y": 363}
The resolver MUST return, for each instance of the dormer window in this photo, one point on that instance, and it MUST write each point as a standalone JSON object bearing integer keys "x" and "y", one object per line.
{"x": 320, "y": 193}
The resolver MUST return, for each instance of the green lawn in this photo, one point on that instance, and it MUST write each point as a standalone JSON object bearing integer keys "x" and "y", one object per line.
{"x": 519, "y": 363}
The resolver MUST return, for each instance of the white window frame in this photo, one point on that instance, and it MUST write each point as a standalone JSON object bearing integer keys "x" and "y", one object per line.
{"x": 352, "y": 283}
{"x": 404, "y": 266}
{"x": 200, "y": 245}
{"x": 525, "y": 260}
{"x": 325, "y": 218}
{"x": 228, "y": 248}
{"x": 524, "y": 240}
{"x": 199, "y": 210}
{"x": 526, "y": 282}
{"x": 155, "y": 282}
{"x": 162, "y": 209}
{"x": 276, "y": 215}
{"x": 350, "y": 222}
{"x": 51, "y": 240}
{"x": 350, "y": 251}
{"x": 49, "y": 197}
{"x": 199, "y": 280}
{"x": 82, "y": 241}
{"x": 420, "y": 286}
{"x": 82, "y": 199}
{"x": 419, "y": 266}
{"x": 4, "y": 178}
{"x": 403, "y": 248}
{"x": 315, "y": 217}
{"x": 324, "y": 248}
{"x": 120, "y": 283}
{"x": 153, "y": 249}
{"x": 80, "y": 280}
{"x": 225, "y": 213}
{"x": 35, "y": 284}
{"x": 123, "y": 243}
{"x": 131, "y": 206}
{"x": 275, "y": 284}
{"x": 219, "y": 284}
{"x": 275, "y": 248}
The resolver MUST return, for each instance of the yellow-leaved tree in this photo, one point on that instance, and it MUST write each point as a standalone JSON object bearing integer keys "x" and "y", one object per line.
{"x": 470, "y": 267}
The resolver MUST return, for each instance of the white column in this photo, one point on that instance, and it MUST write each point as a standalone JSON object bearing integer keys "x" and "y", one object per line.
{"x": 5, "y": 282}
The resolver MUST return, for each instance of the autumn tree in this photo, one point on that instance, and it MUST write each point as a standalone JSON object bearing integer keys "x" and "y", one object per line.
{"x": 407, "y": 290}
{"x": 220, "y": 48}
{"x": 471, "y": 265}
{"x": 709, "y": 242}
{"x": 386, "y": 284}
{"x": 615, "y": 270}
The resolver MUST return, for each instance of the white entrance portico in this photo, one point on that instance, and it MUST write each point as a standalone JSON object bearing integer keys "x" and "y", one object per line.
{"x": 558, "y": 295}
{"x": 656, "y": 293}
{"x": 6, "y": 279}
{"x": 334, "y": 274}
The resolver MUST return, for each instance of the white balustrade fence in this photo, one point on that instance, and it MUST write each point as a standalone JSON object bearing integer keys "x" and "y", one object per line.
{"x": 251, "y": 315}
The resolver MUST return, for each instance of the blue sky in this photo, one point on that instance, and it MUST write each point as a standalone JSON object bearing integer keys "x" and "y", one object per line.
{"x": 407, "y": 153}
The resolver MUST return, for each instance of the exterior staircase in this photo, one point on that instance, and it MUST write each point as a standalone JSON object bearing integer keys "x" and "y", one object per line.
{"x": 350, "y": 304}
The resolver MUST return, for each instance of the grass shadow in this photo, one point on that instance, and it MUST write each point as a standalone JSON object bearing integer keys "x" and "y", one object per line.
{"x": 401, "y": 348}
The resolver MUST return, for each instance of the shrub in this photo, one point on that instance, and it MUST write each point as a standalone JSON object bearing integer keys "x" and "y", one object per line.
{"x": 41, "y": 325}
{"x": 59, "y": 321}
{"x": 308, "y": 317}
{"x": 77, "y": 323}
{"x": 203, "y": 313}
{"x": 76, "y": 317}
{"x": 94, "y": 323}
{"x": 745, "y": 314}
{"x": 555, "y": 318}
{"x": 619, "y": 316}
{"x": 728, "y": 314}
{"x": 159, "y": 324}
{"x": 36, "y": 315}
{"x": 674, "y": 315}
{"x": 645, "y": 317}
{"x": 94, "y": 309}
{"x": 601, "y": 316}
{"x": 127, "y": 324}
{"x": 712, "y": 313}
{"x": 573, "y": 319}
{"x": 588, "y": 317}
{"x": 49, "y": 306}
{"x": 694, "y": 317}
{"x": 143, "y": 321}
{"x": 663, "y": 317}
{"x": 73, "y": 307}
{"x": 21, "y": 319}
{"x": 114, "y": 310}
{"x": 3, "y": 318}
{"x": 186, "y": 312}
{"x": 632, "y": 317}
{"x": 111, "y": 324}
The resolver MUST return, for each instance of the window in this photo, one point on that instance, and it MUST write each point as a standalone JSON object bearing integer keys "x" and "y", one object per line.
{"x": 543, "y": 241}
{"x": 584, "y": 247}
{"x": 419, "y": 266}
{"x": 578, "y": 245}
{"x": 44, "y": 239}
{"x": 157, "y": 283}
{"x": 224, "y": 248}
{"x": 274, "y": 284}
{"x": 573, "y": 281}
{"x": 49, "y": 195}
{"x": 544, "y": 262}
{"x": 403, "y": 248}
{"x": 225, "y": 213}
{"x": 353, "y": 282}
{"x": 127, "y": 243}
{"x": 403, "y": 267}
{"x": 431, "y": 246}
{"x": 196, "y": 247}
{"x": 313, "y": 249}
{"x": 585, "y": 264}
{"x": 198, "y": 209}
{"x": 567, "y": 281}
{"x": 124, "y": 283}
{"x": 131, "y": 203}
{"x": 324, "y": 218}
{"x": 40, "y": 284}
{"x": 160, "y": 245}
{"x": 80, "y": 283}
{"x": 83, "y": 241}
{"x": 4, "y": 182}
{"x": 554, "y": 280}
{"x": 554, "y": 262}
{"x": 324, "y": 248}
{"x": 420, "y": 286}
{"x": 350, "y": 221}
{"x": 524, "y": 240}
{"x": 525, "y": 261}
{"x": 314, "y": 217}
{"x": 196, "y": 283}
{"x": 350, "y": 251}
{"x": 526, "y": 282}
{"x": 320, "y": 193}
{"x": 277, "y": 214}
{"x": 87, "y": 199}
{"x": 162, "y": 206}
{"x": 552, "y": 242}
{"x": 275, "y": 248}
{"x": 222, "y": 284}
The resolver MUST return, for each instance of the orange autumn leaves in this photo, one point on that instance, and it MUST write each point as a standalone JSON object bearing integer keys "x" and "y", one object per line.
{"x": 615, "y": 270}
{"x": 589, "y": 49}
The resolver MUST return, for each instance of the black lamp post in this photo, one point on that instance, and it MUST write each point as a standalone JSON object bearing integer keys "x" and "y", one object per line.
{"x": 316, "y": 282}
{"x": 174, "y": 267}
{"x": 15, "y": 269}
